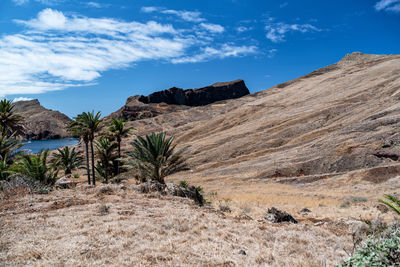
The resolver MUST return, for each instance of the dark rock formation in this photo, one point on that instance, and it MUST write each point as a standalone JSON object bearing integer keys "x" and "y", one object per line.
{"x": 275, "y": 215}
{"x": 41, "y": 123}
{"x": 200, "y": 96}
{"x": 174, "y": 99}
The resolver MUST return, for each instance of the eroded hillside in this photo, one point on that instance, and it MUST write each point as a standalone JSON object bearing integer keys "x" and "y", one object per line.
{"x": 328, "y": 129}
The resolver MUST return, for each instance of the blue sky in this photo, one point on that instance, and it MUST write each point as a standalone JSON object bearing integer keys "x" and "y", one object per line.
{"x": 78, "y": 55}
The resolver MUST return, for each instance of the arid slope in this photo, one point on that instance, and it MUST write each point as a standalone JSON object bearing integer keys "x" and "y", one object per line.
{"x": 322, "y": 130}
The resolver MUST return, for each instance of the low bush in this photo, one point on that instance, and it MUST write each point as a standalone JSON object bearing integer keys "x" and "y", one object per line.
{"x": 381, "y": 250}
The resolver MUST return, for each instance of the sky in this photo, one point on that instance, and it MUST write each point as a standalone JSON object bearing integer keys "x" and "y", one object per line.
{"x": 76, "y": 55}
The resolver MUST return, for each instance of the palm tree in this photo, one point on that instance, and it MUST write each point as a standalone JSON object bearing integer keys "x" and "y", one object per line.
{"x": 35, "y": 166}
{"x": 105, "y": 151}
{"x": 78, "y": 130}
{"x": 10, "y": 122}
{"x": 118, "y": 131}
{"x": 155, "y": 157}
{"x": 392, "y": 202}
{"x": 9, "y": 149}
{"x": 67, "y": 160}
{"x": 91, "y": 123}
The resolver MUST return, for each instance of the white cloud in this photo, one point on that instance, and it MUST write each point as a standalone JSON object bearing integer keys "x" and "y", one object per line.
{"x": 191, "y": 16}
{"x": 97, "y": 5}
{"x": 271, "y": 53}
{"x": 20, "y": 2}
{"x": 59, "y": 51}
{"x": 149, "y": 9}
{"x": 224, "y": 51}
{"x": 243, "y": 29}
{"x": 388, "y": 5}
{"x": 17, "y": 99}
{"x": 214, "y": 28}
{"x": 44, "y": 2}
{"x": 276, "y": 32}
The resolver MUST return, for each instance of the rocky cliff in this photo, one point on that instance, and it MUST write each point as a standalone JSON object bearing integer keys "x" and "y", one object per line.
{"x": 199, "y": 96}
{"x": 41, "y": 123}
{"x": 175, "y": 99}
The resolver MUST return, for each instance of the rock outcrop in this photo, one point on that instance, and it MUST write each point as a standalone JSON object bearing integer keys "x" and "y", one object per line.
{"x": 200, "y": 96}
{"x": 41, "y": 123}
{"x": 175, "y": 99}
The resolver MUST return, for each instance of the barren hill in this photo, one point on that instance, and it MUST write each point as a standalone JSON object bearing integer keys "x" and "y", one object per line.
{"x": 42, "y": 123}
{"x": 331, "y": 126}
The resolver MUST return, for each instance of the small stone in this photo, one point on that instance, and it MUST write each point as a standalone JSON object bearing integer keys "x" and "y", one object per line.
{"x": 242, "y": 252}
{"x": 305, "y": 210}
{"x": 382, "y": 208}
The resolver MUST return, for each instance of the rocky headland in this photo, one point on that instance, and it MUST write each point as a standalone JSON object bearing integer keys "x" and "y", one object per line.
{"x": 41, "y": 123}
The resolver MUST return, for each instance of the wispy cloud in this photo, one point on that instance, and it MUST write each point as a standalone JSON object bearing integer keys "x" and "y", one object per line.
{"x": 224, "y": 51}
{"x": 214, "y": 28}
{"x": 285, "y": 4}
{"x": 191, "y": 16}
{"x": 18, "y": 99}
{"x": 271, "y": 53}
{"x": 58, "y": 51}
{"x": 243, "y": 29}
{"x": 388, "y": 5}
{"x": 97, "y": 5}
{"x": 276, "y": 32}
{"x": 44, "y": 2}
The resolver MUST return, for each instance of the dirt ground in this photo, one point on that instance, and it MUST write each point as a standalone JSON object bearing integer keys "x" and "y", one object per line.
{"x": 115, "y": 225}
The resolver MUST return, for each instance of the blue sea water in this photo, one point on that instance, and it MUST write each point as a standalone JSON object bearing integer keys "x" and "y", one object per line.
{"x": 36, "y": 146}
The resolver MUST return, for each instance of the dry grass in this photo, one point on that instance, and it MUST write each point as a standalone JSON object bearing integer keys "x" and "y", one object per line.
{"x": 119, "y": 227}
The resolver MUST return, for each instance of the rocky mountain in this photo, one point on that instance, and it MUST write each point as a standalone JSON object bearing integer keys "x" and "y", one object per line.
{"x": 335, "y": 127}
{"x": 176, "y": 99}
{"x": 41, "y": 123}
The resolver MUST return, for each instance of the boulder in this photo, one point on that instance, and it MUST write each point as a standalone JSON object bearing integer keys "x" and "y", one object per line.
{"x": 277, "y": 216}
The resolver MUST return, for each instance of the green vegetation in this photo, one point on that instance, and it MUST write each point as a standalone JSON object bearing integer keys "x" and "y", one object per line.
{"x": 382, "y": 250}
{"x": 86, "y": 125}
{"x": 8, "y": 152}
{"x": 67, "y": 159}
{"x": 155, "y": 158}
{"x": 183, "y": 184}
{"x": 77, "y": 130}
{"x": 36, "y": 167}
{"x": 118, "y": 130}
{"x": 105, "y": 151}
{"x": 9, "y": 120}
{"x": 392, "y": 202}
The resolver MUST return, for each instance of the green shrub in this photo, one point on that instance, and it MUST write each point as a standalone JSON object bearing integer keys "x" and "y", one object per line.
{"x": 345, "y": 205}
{"x": 358, "y": 199}
{"x": 155, "y": 157}
{"x": 383, "y": 250}
{"x": 76, "y": 176}
{"x": 183, "y": 184}
{"x": 392, "y": 202}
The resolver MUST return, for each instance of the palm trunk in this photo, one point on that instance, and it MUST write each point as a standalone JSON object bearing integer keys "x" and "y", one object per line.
{"x": 87, "y": 161}
{"x": 119, "y": 155}
{"x": 93, "y": 173}
{"x": 106, "y": 172}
